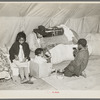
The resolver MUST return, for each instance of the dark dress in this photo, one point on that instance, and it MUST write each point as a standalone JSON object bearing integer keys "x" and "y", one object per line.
{"x": 78, "y": 65}
{"x": 14, "y": 50}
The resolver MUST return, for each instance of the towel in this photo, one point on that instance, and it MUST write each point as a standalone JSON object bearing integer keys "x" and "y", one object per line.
{"x": 21, "y": 53}
{"x": 68, "y": 33}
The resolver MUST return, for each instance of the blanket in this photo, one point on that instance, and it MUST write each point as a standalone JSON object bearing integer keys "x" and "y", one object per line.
{"x": 4, "y": 65}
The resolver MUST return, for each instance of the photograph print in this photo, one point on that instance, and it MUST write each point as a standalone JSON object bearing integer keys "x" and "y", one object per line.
{"x": 50, "y": 46}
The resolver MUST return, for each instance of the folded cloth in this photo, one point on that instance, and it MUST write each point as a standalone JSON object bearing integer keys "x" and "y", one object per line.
{"x": 5, "y": 75}
{"x": 20, "y": 64}
{"x": 16, "y": 65}
{"x": 68, "y": 33}
{"x": 15, "y": 69}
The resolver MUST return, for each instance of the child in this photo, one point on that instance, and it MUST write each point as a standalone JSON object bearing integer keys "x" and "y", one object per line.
{"x": 19, "y": 56}
{"x": 39, "y": 56}
{"x": 78, "y": 65}
{"x": 32, "y": 41}
{"x": 40, "y": 40}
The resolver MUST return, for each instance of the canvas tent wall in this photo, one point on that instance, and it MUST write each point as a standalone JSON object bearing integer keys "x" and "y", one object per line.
{"x": 83, "y": 18}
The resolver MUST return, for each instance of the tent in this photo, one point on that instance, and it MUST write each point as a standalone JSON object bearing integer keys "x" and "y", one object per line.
{"x": 83, "y": 18}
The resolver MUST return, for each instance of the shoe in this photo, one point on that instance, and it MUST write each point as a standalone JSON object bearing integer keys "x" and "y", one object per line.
{"x": 53, "y": 72}
{"x": 53, "y": 69}
{"x": 2, "y": 80}
{"x": 33, "y": 79}
{"x": 30, "y": 82}
{"x": 27, "y": 82}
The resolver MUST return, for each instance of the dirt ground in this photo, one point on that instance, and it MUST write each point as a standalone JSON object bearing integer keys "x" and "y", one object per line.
{"x": 50, "y": 83}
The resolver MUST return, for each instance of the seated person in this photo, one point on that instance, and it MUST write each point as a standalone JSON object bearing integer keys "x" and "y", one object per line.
{"x": 78, "y": 65}
{"x": 19, "y": 56}
{"x": 35, "y": 40}
{"x": 32, "y": 40}
{"x": 40, "y": 40}
{"x": 40, "y": 57}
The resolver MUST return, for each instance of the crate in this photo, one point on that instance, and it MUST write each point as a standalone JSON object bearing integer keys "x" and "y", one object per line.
{"x": 40, "y": 70}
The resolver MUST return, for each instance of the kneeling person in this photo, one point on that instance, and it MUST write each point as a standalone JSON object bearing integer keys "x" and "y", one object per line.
{"x": 78, "y": 65}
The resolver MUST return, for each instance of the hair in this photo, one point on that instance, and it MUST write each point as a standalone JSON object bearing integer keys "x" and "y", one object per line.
{"x": 38, "y": 51}
{"x": 35, "y": 30}
{"x": 21, "y": 35}
{"x": 41, "y": 28}
{"x": 83, "y": 42}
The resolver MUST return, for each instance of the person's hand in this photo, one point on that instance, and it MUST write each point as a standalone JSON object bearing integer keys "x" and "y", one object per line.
{"x": 24, "y": 60}
{"x": 16, "y": 57}
{"x": 75, "y": 52}
{"x": 49, "y": 54}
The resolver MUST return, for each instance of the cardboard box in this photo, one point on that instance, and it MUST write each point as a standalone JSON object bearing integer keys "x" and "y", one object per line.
{"x": 40, "y": 70}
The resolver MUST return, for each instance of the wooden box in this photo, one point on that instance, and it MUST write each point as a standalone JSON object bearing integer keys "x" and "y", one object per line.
{"x": 40, "y": 70}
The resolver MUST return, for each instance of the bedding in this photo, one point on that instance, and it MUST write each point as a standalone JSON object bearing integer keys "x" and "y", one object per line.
{"x": 4, "y": 65}
{"x": 61, "y": 53}
{"x": 94, "y": 43}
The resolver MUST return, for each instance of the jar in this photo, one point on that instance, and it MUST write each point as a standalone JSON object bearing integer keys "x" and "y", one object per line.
{"x": 59, "y": 75}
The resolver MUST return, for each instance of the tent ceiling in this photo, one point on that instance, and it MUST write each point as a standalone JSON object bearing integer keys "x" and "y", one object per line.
{"x": 83, "y": 18}
{"x": 48, "y": 9}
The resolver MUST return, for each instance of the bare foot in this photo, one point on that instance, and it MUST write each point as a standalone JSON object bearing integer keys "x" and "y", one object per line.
{"x": 25, "y": 81}
{"x": 83, "y": 74}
